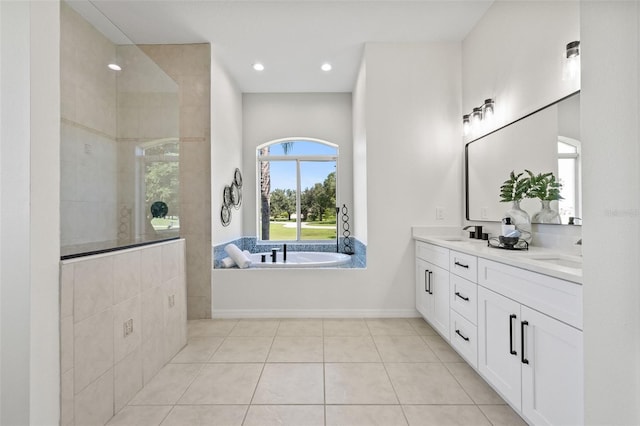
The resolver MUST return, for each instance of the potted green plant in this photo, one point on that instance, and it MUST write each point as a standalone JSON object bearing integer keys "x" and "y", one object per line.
{"x": 546, "y": 188}
{"x": 513, "y": 190}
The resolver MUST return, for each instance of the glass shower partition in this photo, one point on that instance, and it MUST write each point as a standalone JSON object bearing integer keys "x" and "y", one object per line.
{"x": 120, "y": 150}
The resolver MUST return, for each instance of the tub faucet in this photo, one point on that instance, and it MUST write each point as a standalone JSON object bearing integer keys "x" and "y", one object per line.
{"x": 273, "y": 254}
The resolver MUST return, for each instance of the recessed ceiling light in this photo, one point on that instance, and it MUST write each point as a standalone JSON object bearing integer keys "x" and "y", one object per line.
{"x": 326, "y": 66}
{"x": 258, "y": 66}
{"x": 115, "y": 67}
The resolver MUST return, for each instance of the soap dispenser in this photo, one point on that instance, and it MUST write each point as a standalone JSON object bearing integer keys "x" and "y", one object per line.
{"x": 507, "y": 227}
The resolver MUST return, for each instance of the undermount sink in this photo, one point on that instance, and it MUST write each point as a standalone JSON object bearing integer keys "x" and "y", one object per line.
{"x": 574, "y": 262}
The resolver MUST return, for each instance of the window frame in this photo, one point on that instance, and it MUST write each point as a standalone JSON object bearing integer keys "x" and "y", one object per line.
{"x": 297, "y": 159}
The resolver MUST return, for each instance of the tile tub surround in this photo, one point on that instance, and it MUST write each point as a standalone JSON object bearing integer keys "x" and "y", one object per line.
{"x": 324, "y": 372}
{"x": 101, "y": 368}
{"x": 358, "y": 259}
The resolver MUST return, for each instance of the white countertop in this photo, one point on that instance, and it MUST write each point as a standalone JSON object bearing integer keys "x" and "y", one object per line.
{"x": 525, "y": 259}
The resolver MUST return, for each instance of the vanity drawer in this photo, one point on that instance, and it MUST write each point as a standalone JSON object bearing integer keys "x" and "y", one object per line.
{"x": 437, "y": 255}
{"x": 464, "y": 297}
{"x": 557, "y": 298}
{"x": 464, "y": 265}
{"x": 464, "y": 338}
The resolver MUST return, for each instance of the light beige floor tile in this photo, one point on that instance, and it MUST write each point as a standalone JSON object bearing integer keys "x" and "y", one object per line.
{"x": 296, "y": 349}
{"x": 426, "y": 383}
{"x": 290, "y": 384}
{"x": 285, "y": 415}
{"x": 365, "y": 415}
{"x": 168, "y": 385}
{"x": 502, "y": 415}
{"x": 473, "y": 384}
{"x": 251, "y": 327}
{"x": 243, "y": 349}
{"x": 300, "y": 327}
{"x": 210, "y": 327}
{"x": 350, "y": 349}
{"x": 445, "y": 415}
{"x": 206, "y": 415}
{"x": 143, "y": 415}
{"x": 223, "y": 384}
{"x": 421, "y": 327}
{"x": 345, "y": 327}
{"x": 358, "y": 383}
{"x": 390, "y": 327}
{"x": 442, "y": 349}
{"x": 404, "y": 349}
{"x": 198, "y": 349}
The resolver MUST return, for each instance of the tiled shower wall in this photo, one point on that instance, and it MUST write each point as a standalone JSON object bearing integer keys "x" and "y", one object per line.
{"x": 190, "y": 66}
{"x": 101, "y": 367}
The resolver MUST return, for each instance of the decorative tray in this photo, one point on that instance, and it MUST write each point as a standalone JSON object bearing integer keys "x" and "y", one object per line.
{"x": 495, "y": 243}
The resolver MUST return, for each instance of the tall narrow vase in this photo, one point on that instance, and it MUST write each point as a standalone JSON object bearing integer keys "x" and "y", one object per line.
{"x": 521, "y": 220}
{"x": 546, "y": 214}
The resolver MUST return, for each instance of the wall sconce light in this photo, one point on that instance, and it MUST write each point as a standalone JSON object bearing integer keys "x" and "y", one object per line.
{"x": 571, "y": 67}
{"x": 487, "y": 109}
{"x": 573, "y": 49}
{"x": 466, "y": 124}
{"x": 471, "y": 123}
{"x": 476, "y": 118}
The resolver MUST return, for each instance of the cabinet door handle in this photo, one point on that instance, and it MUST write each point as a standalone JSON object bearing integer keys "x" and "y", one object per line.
{"x": 425, "y": 281}
{"x": 460, "y": 334}
{"x": 522, "y": 336}
{"x": 460, "y": 264}
{"x": 430, "y": 289}
{"x": 466, "y": 299}
{"x": 511, "y": 351}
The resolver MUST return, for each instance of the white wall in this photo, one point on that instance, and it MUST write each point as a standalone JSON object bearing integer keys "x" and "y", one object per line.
{"x": 515, "y": 54}
{"x": 360, "y": 156}
{"x": 30, "y": 200}
{"x": 413, "y": 165}
{"x": 268, "y": 117}
{"x": 226, "y": 149}
{"x": 610, "y": 130}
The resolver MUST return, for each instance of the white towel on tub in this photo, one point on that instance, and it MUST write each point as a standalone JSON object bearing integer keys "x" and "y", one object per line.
{"x": 241, "y": 259}
{"x": 228, "y": 262}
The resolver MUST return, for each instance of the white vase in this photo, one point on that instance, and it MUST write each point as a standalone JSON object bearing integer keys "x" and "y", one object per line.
{"x": 546, "y": 214}
{"x": 521, "y": 220}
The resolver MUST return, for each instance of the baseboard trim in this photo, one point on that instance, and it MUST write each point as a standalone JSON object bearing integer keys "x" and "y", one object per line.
{"x": 314, "y": 313}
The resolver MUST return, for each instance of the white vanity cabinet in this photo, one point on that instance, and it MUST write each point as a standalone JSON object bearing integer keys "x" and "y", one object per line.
{"x": 463, "y": 300}
{"x": 534, "y": 360}
{"x": 432, "y": 286}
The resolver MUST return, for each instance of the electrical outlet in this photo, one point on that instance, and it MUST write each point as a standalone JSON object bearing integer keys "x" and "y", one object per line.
{"x": 172, "y": 300}
{"x": 128, "y": 327}
{"x": 439, "y": 213}
{"x": 88, "y": 148}
{"x": 484, "y": 212}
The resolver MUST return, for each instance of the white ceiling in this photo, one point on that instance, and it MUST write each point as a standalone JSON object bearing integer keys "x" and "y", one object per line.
{"x": 292, "y": 38}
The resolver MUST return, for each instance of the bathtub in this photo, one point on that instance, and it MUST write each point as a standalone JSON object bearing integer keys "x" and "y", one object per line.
{"x": 300, "y": 259}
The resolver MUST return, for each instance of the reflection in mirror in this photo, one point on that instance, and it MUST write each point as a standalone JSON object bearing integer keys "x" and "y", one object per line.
{"x": 119, "y": 139}
{"x": 547, "y": 140}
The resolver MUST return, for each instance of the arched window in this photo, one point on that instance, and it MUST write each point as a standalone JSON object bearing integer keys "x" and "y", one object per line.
{"x": 296, "y": 191}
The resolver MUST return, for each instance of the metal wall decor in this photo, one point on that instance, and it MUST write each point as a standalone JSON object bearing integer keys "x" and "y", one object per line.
{"x": 346, "y": 240}
{"x": 231, "y": 197}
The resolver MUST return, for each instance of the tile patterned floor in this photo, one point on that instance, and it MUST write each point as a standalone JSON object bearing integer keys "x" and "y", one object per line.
{"x": 307, "y": 372}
